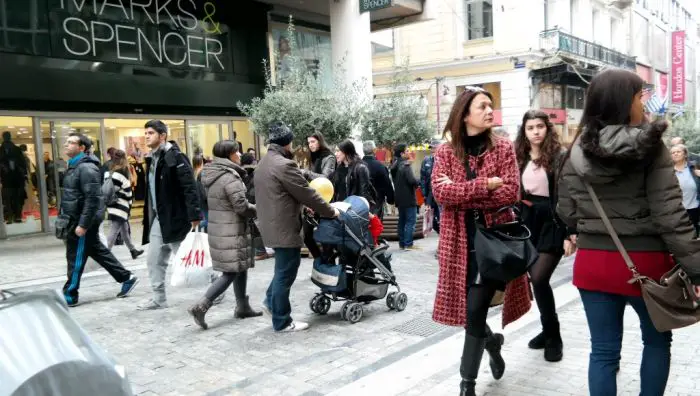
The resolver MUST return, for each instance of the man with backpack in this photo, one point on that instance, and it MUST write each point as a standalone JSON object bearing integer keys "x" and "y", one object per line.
{"x": 82, "y": 210}
{"x": 171, "y": 208}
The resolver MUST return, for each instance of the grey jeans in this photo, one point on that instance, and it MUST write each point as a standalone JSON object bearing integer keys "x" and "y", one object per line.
{"x": 158, "y": 259}
{"x": 119, "y": 227}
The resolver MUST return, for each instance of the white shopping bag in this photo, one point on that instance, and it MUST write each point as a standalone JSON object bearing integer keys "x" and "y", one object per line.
{"x": 192, "y": 263}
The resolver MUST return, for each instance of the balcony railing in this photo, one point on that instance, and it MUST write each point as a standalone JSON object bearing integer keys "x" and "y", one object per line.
{"x": 554, "y": 41}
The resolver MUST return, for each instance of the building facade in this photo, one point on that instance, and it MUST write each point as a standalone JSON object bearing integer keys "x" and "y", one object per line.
{"x": 540, "y": 53}
{"x": 105, "y": 67}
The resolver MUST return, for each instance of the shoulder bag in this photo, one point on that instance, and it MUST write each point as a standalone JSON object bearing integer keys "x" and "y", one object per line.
{"x": 671, "y": 302}
{"x": 503, "y": 252}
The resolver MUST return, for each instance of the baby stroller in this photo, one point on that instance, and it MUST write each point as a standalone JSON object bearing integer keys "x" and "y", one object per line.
{"x": 351, "y": 268}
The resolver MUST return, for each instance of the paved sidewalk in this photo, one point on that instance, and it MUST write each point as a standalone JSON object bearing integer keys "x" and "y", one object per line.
{"x": 387, "y": 353}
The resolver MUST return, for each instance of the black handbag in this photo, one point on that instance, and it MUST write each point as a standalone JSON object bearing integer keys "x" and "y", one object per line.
{"x": 63, "y": 226}
{"x": 503, "y": 252}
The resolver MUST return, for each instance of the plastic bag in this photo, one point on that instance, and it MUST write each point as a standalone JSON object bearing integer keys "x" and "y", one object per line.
{"x": 192, "y": 263}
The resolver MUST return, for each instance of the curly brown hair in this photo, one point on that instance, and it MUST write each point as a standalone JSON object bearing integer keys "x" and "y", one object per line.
{"x": 551, "y": 146}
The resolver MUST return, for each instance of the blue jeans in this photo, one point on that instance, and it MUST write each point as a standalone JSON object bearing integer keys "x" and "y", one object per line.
{"x": 407, "y": 225}
{"x": 287, "y": 261}
{"x": 605, "y": 313}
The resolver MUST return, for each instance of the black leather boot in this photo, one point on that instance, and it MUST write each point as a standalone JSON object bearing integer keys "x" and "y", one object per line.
{"x": 244, "y": 310}
{"x": 471, "y": 360}
{"x": 199, "y": 310}
{"x": 537, "y": 342}
{"x": 553, "y": 344}
{"x": 494, "y": 341}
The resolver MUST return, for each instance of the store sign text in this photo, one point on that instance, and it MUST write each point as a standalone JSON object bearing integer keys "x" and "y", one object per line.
{"x": 173, "y": 36}
{"x": 678, "y": 67}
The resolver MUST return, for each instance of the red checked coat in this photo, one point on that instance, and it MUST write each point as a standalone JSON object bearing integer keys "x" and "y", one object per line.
{"x": 451, "y": 295}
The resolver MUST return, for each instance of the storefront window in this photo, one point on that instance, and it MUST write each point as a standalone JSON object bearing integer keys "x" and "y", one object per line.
{"x": 203, "y": 135}
{"x": 18, "y": 177}
{"x": 312, "y": 47}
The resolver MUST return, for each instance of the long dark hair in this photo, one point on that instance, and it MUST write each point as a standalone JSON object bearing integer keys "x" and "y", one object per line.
{"x": 323, "y": 149}
{"x": 551, "y": 146}
{"x": 608, "y": 102}
{"x": 347, "y": 147}
{"x": 455, "y": 127}
{"x": 119, "y": 161}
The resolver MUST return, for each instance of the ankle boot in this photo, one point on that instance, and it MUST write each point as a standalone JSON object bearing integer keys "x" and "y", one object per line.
{"x": 537, "y": 342}
{"x": 494, "y": 341}
{"x": 244, "y": 310}
{"x": 471, "y": 360}
{"x": 199, "y": 310}
{"x": 136, "y": 253}
{"x": 553, "y": 345}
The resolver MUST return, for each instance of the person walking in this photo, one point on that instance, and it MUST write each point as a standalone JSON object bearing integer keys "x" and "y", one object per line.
{"x": 475, "y": 175}
{"x": 379, "y": 177}
{"x": 628, "y": 167}
{"x": 13, "y": 176}
{"x": 249, "y": 164}
{"x": 172, "y": 207}
{"x": 693, "y": 159}
{"x": 230, "y": 239}
{"x": 119, "y": 212}
{"x": 83, "y": 204}
{"x": 539, "y": 154}
{"x": 689, "y": 183}
{"x": 197, "y": 166}
{"x": 281, "y": 190}
{"x": 426, "y": 171}
{"x": 405, "y": 184}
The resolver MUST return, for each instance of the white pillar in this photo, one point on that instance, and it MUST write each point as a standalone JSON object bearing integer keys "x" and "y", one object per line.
{"x": 351, "y": 43}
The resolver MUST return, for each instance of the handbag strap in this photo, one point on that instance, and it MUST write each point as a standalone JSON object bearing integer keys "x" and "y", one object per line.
{"x": 613, "y": 234}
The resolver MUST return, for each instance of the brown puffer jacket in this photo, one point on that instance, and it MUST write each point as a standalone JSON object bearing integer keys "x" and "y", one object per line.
{"x": 643, "y": 202}
{"x": 229, "y": 211}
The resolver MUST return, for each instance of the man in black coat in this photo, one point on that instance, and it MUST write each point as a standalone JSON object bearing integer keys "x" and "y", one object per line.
{"x": 405, "y": 184}
{"x": 171, "y": 208}
{"x": 379, "y": 176}
{"x": 13, "y": 176}
{"x": 83, "y": 203}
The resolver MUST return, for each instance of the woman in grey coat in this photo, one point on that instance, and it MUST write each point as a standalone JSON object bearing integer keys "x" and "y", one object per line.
{"x": 229, "y": 231}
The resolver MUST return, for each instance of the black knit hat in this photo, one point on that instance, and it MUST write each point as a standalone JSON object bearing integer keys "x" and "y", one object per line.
{"x": 279, "y": 133}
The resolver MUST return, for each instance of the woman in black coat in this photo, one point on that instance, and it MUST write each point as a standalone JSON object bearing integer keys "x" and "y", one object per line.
{"x": 351, "y": 176}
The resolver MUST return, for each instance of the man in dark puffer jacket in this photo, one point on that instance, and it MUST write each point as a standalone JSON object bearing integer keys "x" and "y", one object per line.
{"x": 82, "y": 201}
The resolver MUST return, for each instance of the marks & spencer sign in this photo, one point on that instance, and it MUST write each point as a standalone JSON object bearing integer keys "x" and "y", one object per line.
{"x": 182, "y": 34}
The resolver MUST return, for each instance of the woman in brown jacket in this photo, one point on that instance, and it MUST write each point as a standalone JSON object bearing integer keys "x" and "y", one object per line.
{"x": 626, "y": 163}
{"x": 230, "y": 241}
{"x": 474, "y": 175}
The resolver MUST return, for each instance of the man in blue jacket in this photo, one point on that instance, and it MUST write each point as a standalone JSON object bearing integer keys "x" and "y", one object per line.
{"x": 83, "y": 203}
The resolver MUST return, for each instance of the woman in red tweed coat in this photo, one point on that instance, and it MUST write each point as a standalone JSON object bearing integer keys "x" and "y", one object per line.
{"x": 494, "y": 183}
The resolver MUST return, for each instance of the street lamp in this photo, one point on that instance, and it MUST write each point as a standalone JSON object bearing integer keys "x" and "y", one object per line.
{"x": 446, "y": 89}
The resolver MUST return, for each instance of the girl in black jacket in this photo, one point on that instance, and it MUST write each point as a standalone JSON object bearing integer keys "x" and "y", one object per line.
{"x": 351, "y": 177}
{"x": 538, "y": 152}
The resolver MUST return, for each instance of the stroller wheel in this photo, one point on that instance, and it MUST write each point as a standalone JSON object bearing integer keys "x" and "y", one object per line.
{"x": 313, "y": 304}
{"x": 323, "y": 305}
{"x": 344, "y": 310}
{"x": 401, "y": 302}
{"x": 391, "y": 300}
{"x": 354, "y": 313}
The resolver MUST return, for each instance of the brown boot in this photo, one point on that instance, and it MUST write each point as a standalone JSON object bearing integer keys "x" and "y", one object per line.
{"x": 244, "y": 310}
{"x": 199, "y": 310}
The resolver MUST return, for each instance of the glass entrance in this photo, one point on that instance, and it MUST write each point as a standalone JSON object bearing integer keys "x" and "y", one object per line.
{"x": 54, "y": 134}
{"x": 202, "y": 135}
{"x": 19, "y": 200}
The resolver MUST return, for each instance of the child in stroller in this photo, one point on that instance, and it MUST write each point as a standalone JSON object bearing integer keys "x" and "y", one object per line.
{"x": 352, "y": 268}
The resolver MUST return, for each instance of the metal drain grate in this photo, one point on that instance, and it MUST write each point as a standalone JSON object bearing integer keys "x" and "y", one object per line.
{"x": 422, "y": 326}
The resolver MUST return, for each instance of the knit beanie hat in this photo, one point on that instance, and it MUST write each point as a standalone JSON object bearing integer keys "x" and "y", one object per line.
{"x": 279, "y": 133}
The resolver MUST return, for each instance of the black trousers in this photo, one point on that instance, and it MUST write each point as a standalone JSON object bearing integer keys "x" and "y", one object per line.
{"x": 694, "y": 215}
{"x": 77, "y": 252}
{"x": 13, "y": 200}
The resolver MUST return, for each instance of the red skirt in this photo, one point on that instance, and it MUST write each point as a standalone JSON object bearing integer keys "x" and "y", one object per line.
{"x": 606, "y": 271}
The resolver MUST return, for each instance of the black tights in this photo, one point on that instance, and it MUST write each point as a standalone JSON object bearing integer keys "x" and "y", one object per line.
{"x": 540, "y": 274}
{"x": 478, "y": 302}
{"x": 239, "y": 280}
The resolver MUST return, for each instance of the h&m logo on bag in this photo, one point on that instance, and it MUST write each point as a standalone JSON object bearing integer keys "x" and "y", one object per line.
{"x": 194, "y": 258}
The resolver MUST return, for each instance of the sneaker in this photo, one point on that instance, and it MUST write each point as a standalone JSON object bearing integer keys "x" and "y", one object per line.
{"x": 151, "y": 305}
{"x": 266, "y": 310}
{"x": 128, "y": 286}
{"x": 294, "y": 326}
{"x": 72, "y": 302}
{"x": 412, "y": 247}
